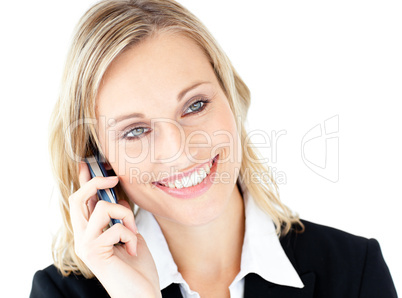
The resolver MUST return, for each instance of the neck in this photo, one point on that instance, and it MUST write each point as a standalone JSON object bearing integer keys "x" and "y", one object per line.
{"x": 213, "y": 249}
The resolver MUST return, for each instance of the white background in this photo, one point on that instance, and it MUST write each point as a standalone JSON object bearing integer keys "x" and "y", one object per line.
{"x": 304, "y": 62}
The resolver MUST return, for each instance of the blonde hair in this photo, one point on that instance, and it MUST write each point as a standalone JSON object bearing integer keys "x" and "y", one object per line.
{"x": 105, "y": 30}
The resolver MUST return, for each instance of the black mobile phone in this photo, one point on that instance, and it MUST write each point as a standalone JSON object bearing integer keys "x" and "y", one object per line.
{"x": 96, "y": 169}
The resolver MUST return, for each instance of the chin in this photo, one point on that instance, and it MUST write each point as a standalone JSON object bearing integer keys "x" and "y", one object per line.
{"x": 196, "y": 212}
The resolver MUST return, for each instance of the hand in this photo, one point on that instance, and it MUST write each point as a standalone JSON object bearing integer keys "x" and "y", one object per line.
{"x": 126, "y": 270}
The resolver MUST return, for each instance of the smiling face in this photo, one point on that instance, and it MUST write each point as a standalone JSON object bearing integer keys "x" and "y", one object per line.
{"x": 162, "y": 112}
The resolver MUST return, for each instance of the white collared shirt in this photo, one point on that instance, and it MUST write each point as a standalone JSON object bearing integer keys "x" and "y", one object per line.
{"x": 262, "y": 252}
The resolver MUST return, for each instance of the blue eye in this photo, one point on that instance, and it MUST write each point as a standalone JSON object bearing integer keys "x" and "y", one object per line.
{"x": 137, "y": 132}
{"x": 197, "y": 106}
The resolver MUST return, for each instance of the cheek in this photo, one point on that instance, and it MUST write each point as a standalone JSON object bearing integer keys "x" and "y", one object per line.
{"x": 136, "y": 192}
{"x": 136, "y": 182}
{"x": 226, "y": 137}
{"x": 128, "y": 159}
{"x": 139, "y": 175}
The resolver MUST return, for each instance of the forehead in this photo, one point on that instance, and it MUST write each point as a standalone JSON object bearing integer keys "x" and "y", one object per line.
{"x": 156, "y": 69}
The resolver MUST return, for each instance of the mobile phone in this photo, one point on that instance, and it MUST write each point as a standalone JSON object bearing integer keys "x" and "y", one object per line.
{"x": 97, "y": 169}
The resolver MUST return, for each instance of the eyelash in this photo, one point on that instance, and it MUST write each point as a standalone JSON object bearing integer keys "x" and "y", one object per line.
{"x": 205, "y": 102}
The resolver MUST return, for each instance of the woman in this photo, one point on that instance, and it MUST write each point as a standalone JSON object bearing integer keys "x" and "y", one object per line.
{"x": 149, "y": 87}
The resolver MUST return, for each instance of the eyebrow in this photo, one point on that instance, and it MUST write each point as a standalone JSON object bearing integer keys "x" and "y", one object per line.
{"x": 179, "y": 98}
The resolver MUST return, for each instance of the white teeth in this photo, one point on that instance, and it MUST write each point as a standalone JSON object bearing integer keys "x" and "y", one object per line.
{"x": 178, "y": 184}
{"x": 195, "y": 178}
{"x": 207, "y": 169}
{"x": 202, "y": 172}
{"x": 187, "y": 181}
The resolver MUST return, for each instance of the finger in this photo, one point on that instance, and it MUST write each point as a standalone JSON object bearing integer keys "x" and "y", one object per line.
{"x": 78, "y": 201}
{"x": 102, "y": 214}
{"x": 127, "y": 205}
{"x": 119, "y": 233}
{"x": 91, "y": 205}
{"x": 83, "y": 177}
{"x": 84, "y": 174}
{"x": 90, "y": 188}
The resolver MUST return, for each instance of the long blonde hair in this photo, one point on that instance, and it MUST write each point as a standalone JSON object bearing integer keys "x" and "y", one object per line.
{"x": 105, "y": 30}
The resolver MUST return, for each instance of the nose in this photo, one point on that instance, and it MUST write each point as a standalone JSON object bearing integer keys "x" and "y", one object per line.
{"x": 169, "y": 142}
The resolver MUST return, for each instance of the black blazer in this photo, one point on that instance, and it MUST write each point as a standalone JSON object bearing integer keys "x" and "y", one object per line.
{"x": 331, "y": 264}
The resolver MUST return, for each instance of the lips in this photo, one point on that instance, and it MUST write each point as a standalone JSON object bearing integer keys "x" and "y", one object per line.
{"x": 195, "y": 191}
{"x": 179, "y": 176}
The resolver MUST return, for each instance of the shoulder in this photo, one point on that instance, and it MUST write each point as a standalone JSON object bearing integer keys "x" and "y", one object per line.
{"x": 49, "y": 282}
{"x": 317, "y": 236}
{"x": 339, "y": 260}
{"x": 327, "y": 245}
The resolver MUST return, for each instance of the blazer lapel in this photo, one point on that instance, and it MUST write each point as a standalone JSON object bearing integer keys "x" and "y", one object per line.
{"x": 172, "y": 291}
{"x": 257, "y": 287}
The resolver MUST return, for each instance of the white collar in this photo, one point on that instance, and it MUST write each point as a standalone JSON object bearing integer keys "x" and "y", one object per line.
{"x": 262, "y": 252}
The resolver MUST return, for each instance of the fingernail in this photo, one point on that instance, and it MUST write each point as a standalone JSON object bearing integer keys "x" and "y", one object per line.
{"x": 112, "y": 177}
